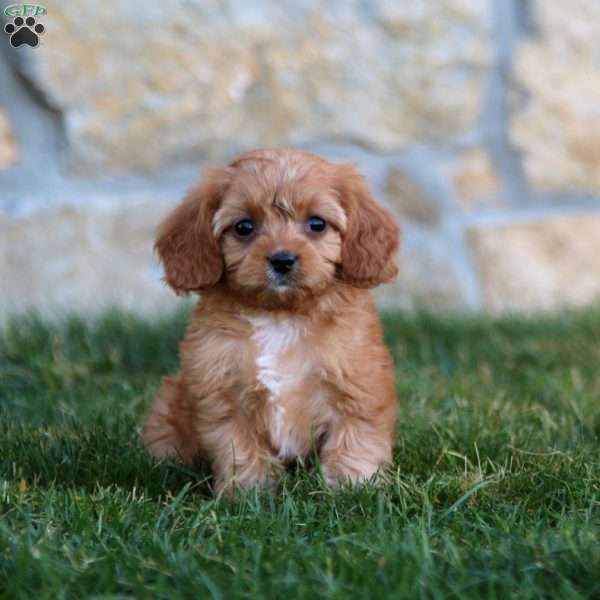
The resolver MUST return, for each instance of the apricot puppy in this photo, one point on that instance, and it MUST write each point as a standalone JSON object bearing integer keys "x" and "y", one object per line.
{"x": 284, "y": 352}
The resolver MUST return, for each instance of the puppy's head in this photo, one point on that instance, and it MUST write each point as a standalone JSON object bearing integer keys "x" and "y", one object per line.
{"x": 277, "y": 227}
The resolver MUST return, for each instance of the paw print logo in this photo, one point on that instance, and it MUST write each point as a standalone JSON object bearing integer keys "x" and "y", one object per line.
{"x": 24, "y": 31}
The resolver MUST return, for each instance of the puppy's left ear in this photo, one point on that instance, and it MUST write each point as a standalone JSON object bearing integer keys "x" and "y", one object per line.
{"x": 372, "y": 235}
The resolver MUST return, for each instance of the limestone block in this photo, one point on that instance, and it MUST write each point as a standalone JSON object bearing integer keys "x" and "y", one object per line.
{"x": 408, "y": 200}
{"x": 83, "y": 259}
{"x": 143, "y": 84}
{"x": 558, "y": 128}
{"x": 475, "y": 179}
{"x": 540, "y": 265}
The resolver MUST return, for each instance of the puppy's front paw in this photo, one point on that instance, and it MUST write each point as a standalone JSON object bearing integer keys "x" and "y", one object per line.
{"x": 350, "y": 471}
{"x": 230, "y": 482}
{"x": 355, "y": 453}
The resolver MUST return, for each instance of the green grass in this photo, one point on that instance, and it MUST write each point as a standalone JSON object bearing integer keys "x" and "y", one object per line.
{"x": 495, "y": 490}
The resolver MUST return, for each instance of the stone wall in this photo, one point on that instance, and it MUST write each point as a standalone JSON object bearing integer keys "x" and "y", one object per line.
{"x": 476, "y": 121}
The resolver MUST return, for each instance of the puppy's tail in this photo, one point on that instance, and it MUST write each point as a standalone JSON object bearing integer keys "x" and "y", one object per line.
{"x": 168, "y": 430}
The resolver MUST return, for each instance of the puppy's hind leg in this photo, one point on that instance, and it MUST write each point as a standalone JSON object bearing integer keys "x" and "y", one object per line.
{"x": 169, "y": 430}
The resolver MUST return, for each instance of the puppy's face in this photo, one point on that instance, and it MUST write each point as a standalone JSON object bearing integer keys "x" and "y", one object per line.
{"x": 280, "y": 231}
{"x": 278, "y": 228}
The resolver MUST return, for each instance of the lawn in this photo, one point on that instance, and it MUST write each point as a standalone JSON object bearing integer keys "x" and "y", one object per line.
{"x": 495, "y": 490}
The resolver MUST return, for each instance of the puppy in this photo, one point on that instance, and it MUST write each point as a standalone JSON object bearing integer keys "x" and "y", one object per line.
{"x": 284, "y": 352}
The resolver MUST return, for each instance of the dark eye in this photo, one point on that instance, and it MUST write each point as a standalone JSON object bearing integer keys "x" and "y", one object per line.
{"x": 245, "y": 227}
{"x": 316, "y": 224}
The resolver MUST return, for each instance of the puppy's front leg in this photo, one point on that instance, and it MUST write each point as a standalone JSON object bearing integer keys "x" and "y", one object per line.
{"x": 240, "y": 458}
{"x": 355, "y": 450}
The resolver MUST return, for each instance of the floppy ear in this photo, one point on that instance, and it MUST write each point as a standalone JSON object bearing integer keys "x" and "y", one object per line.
{"x": 372, "y": 236}
{"x": 186, "y": 244}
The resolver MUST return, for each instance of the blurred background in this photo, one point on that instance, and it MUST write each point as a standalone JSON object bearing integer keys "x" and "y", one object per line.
{"x": 477, "y": 122}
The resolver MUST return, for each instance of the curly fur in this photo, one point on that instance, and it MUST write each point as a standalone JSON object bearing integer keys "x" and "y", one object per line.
{"x": 271, "y": 371}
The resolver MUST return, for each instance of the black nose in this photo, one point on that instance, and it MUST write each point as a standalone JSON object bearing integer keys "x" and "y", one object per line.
{"x": 283, "y": 262}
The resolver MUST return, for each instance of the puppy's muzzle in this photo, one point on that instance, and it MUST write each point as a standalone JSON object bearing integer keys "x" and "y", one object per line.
{"x": 283, "y": 262}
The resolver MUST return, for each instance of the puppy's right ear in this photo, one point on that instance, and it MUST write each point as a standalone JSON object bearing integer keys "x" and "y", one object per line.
{"x": 186, "y": 244}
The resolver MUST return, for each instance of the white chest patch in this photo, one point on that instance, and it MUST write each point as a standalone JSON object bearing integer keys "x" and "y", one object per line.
{"x": 274, "y": 339}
